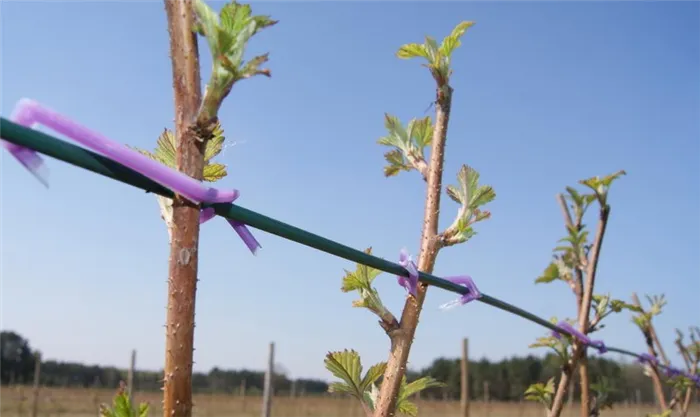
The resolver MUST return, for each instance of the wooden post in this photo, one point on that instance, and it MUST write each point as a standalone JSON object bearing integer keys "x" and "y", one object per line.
{"x": 638, "y": 394}
{"x": 267, "y": 391}
{"x": 242, "y": 392}
{"x": 37, "y": 385}
{"x": 293, "y": 388}
{"x": 464, "y": 396}
{"x": 130, "y": 377}
{"x": 487, "y": 406}
{"x": 184, "y": 258}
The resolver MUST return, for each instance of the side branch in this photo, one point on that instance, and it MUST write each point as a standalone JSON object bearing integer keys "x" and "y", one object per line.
{"x": 587, "y": 298}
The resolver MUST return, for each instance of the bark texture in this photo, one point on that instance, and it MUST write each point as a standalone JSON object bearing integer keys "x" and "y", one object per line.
{"x": 182, "y": 271}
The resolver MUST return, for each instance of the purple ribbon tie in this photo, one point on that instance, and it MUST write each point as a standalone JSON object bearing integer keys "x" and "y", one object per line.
{"x": 597, "y": 344}
{"x": 471, "y": 295}
{"x": 410, "y": 283}
{"x": 29, "y": 113}
{"x": 673, "y": 372}
{"x": 647, "y": 358}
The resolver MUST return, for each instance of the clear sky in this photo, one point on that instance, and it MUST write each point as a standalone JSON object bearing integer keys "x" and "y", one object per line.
{"x": 545, "y": 94}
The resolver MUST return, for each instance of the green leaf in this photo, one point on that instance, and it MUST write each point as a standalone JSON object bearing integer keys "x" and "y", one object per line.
{"x": 346, "y": 366}
{"x": 372, "y": 375}
{"x": 619, "y": 305}
{"x": 361, "y": 278}
{"x": 214, "y": 172}
{"x": 403, "y": 405}
{"x": 214, "y": 145}
{"x": 551, "y": 273}
{"x": 600, "y": 186}
{"x": 228, "y": 35}
{"x": 397, "y": 163}
{"x": 397, "y": 137}
{"x": 412, "y": 50}
{"x": 253, "y": 67}
{"x": 421, "y": 132}
{"x": 540, "y": 392}
{"x": 452, "y": 41}
{"x": 408, "y": 408}
{"x": 433, "y": 51}
{"x": 166, "y": 153}
{"x": 122, "y": 407}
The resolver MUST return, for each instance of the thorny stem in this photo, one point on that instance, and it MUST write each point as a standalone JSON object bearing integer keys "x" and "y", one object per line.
{"x": 587, "y": 297}
{"x": 655, "y": 338}
{"x": 182, "y": 271}
{"x": 655, "y": 377}
{"x": 430, "y": 245}
{"x": 577, "y": 287}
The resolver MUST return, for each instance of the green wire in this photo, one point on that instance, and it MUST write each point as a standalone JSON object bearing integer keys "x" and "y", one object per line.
{"x": 83, "y": 158}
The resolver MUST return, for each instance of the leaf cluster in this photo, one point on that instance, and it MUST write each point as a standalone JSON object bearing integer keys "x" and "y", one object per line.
{"x": 122, "y": 407}
{"x": 542, "y": 393}
{"x": 347, "y": 367}
{"x": 409, "y": 144}
{"x": 471, "y": 196}
{"x": 361, "y": 281}
{"x": 560, "y": 345}
{"x": 228, "y": 34}
{"x": 601, "y": 186}
{"x": 438, "y": 56}
{"x": 644, "y": 317}
{"x": 166, "y": 148}
{"x": 604, "y": 305}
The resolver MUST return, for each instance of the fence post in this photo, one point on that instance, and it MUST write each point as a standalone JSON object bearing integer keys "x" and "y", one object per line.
{"x": 267, "y": 390}
{"x": 465, "y": 378}
{"x": 487, "y": 406}
{"x": 130, "y": 377}
{"x": 37, "y": 385}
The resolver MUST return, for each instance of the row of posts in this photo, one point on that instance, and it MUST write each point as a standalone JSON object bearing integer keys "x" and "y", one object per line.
{"x": 269, "y": 373}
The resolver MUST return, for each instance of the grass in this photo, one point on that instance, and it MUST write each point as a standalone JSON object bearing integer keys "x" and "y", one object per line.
{"x": 66, "y": 402}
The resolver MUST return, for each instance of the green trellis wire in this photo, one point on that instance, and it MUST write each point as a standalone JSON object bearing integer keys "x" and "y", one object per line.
{"x": 83, "y": 158}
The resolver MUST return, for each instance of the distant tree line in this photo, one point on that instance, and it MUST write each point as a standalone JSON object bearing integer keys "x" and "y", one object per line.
{"x": 506, "y": 379}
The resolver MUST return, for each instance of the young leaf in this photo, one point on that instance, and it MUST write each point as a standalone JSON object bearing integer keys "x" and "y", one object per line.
{"x": 540, "y": 392}
{"x": 165, "y": 153}
{"x": 438, "y": 57}
{"x": 452, "y": 41}
{"x": 551, "y": 273}
{"x": 403, "y": 405}
{"x": 412, "y": 50}
{"x": 600, "y": 186}
{"x": 122, "y": 407}
{"x": 471, "y": 196}
{"x": 346, "y": 366}
{"x": 361, "y": 278}
{"x": 372, "y": 375}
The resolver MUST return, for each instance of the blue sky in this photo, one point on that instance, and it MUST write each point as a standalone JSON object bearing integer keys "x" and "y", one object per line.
{"x": 545, "y": 94}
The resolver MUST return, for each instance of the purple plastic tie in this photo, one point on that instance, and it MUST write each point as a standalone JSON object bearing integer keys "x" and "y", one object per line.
{"x": 597, "y": 344}
{"x": 647, "y": 358}
{"x": 410, "y": 283}
{"x": 471, "y": 295}
{"x": 673, "y": 372}
{"x": 29, "y": 113}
